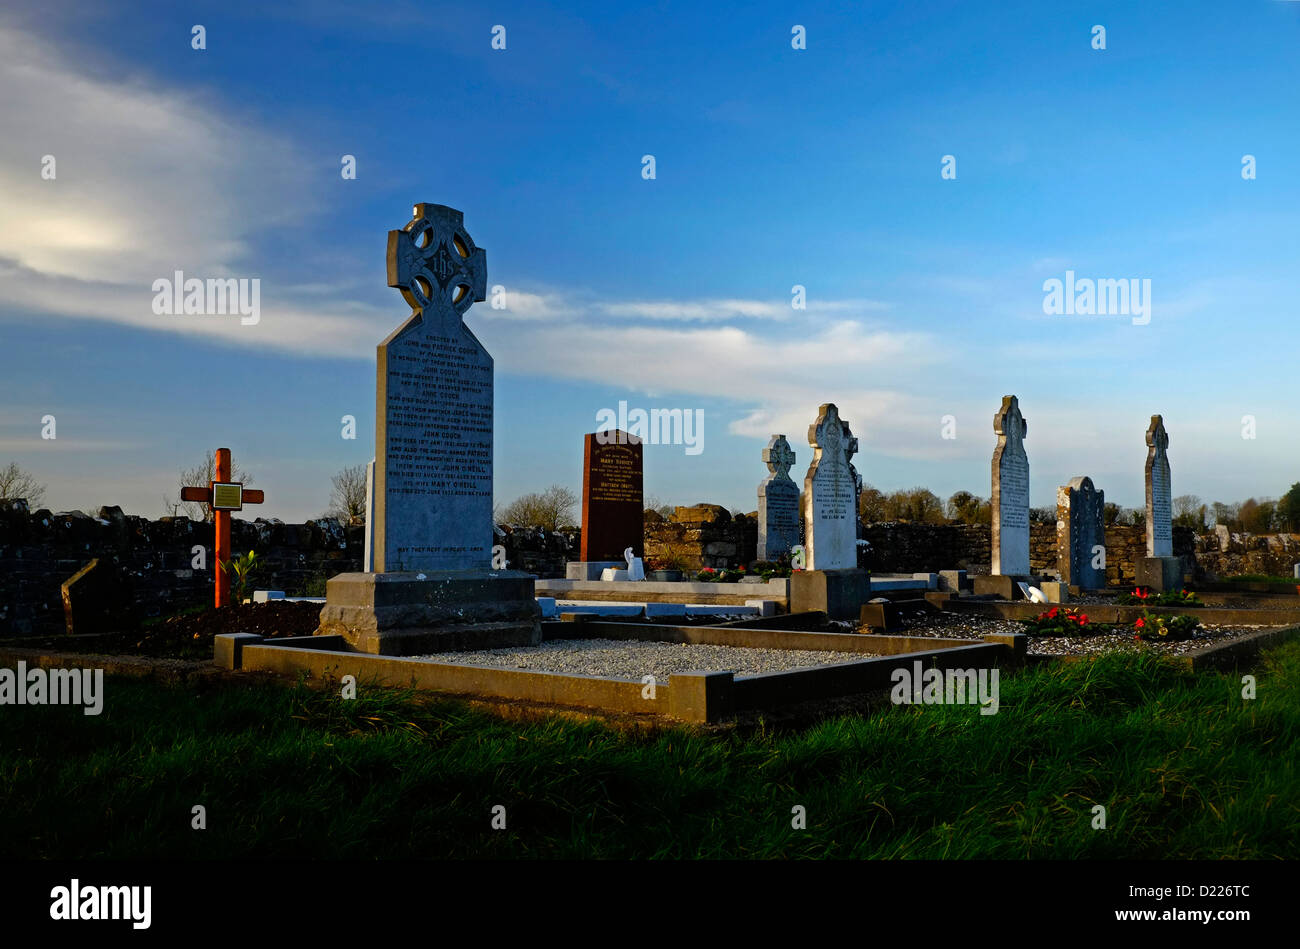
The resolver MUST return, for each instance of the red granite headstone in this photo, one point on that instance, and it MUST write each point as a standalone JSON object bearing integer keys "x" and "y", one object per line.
{"x": 612, "y": 496}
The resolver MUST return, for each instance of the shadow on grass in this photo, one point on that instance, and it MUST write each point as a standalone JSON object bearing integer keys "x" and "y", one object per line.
{"x": 1185, "y": 767}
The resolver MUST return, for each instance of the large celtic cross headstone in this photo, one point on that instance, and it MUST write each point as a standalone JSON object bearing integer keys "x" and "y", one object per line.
{"x": 1010, "y": 500}
{"x": 433, "y": 413}
{"x": 1160, "y": 532}
{"x": 778, "y": 502}
{"x": 830, "y": 526}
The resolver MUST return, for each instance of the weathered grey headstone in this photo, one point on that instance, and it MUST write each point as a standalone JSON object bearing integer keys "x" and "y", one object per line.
{"x": 433, "y": 439}
{"x": 1296, "y": 570}
{"x": 1224, "y": 535}
{"x": 830, "y": 528}
{"x": 778, "y": 502}
{"x": 432, "y": 587}
{"x": 1160, "y": 533}
{"x": 1080, "y": 530}
{"x": 1010, "y": 491}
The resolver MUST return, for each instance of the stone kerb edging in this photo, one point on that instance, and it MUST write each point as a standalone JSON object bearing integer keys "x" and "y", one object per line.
{"x": 699, "y": 697}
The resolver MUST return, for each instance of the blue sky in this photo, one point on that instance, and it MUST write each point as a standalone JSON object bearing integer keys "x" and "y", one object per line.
{"x": 774, "y": 167}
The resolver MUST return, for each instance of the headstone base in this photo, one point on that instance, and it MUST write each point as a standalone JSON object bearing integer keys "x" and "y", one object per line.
{"x": 405, "y": 614}
{"x": 590, "y": 569}
{"x": 1159, "y": 573}
{"x": 838, "y": 593}
{"x": 953, "y": 581}
{"x": 1003, "y": 585}
{"x": 1058, "y": 592}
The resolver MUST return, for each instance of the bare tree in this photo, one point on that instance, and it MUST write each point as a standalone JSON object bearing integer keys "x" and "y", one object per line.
{"x": 348, "y": 499}
{"x": 1189, "y": 511}
{"x": 16, "y": 483}
{"x": 652, "y": 503}
{"x": 550, "y": 509}
{"x": 199, "y": 477}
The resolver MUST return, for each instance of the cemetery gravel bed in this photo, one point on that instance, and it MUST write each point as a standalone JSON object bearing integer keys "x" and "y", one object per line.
{"x": 1122, "y": 640}
{"x": 624, "y": 659}
{"x": 970, "y": 626}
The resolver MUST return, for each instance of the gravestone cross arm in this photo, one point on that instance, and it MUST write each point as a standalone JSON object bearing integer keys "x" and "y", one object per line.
{"x": 1157, "y": 437}
{"x": 1009, "y": 421}
{"x": 434, "y": 263}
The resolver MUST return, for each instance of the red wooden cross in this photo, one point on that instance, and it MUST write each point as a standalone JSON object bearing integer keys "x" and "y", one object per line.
{"x": 223, "y": 496}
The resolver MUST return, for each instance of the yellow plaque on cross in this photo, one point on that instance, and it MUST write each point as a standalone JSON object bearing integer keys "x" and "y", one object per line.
{"x": 227, "y": 497}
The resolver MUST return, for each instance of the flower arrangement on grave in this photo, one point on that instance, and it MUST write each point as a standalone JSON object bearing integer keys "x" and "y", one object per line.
{"x": 1142, "y": 596}
{"x": 242, "y": 569}
{"x": 1060, "y": 621}
{"x": 1152, "y": 627}
{"x": 767, "y": 569}
{"x": 725, "y": 575}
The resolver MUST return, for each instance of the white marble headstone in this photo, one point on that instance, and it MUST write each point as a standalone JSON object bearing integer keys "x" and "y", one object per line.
{"x": 830, "y": 526}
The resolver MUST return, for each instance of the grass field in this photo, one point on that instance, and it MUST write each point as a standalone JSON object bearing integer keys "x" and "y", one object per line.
{"x": 1183, "y": 764}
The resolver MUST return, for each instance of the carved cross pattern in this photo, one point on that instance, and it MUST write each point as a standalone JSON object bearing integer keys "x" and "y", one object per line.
{"x": 828, "y": 433}
{"x": 1009, "y": 422}
{"x": 1157, "y": 437}
{"x": 434, "y": 263}
{"x": 778, "y": 457}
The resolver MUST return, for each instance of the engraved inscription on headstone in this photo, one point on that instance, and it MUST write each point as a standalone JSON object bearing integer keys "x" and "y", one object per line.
{"x": 1010, "y": 500}
{"x": 830, "y": 526}
{"x": 1080, "y": 529}
{"x": 1160, "y": 532}
{"x": 778, "y": 502}
{"x": 433, "y": 441}
{"x": 612, "y": 496}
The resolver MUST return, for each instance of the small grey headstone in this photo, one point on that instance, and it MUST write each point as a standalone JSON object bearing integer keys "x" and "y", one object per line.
{"x": 778, "y": 502}
{"x": 1080, "y": 530}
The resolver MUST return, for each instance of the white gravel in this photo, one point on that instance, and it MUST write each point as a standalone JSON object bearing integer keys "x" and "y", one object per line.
{"x": 632, "y": 659}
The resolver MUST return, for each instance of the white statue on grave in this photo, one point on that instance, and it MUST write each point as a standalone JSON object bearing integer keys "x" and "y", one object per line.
{"x": 635, "y": 569}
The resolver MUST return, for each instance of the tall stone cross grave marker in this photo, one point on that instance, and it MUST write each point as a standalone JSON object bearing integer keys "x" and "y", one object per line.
{"x": 830, "y": 525}
{"x": 432, "y": 587}
{"x": 1160, "y": 533}
{"x": 1010, "y": 500}
{"x": 433, "y": 413}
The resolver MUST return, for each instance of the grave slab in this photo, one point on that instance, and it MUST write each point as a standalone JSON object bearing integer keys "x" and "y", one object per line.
{"x": 589, "y": 569}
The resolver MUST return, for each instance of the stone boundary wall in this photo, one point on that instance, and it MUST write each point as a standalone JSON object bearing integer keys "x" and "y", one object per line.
{"x": 703, "y": 535}
{"x": 146, "y": 566}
